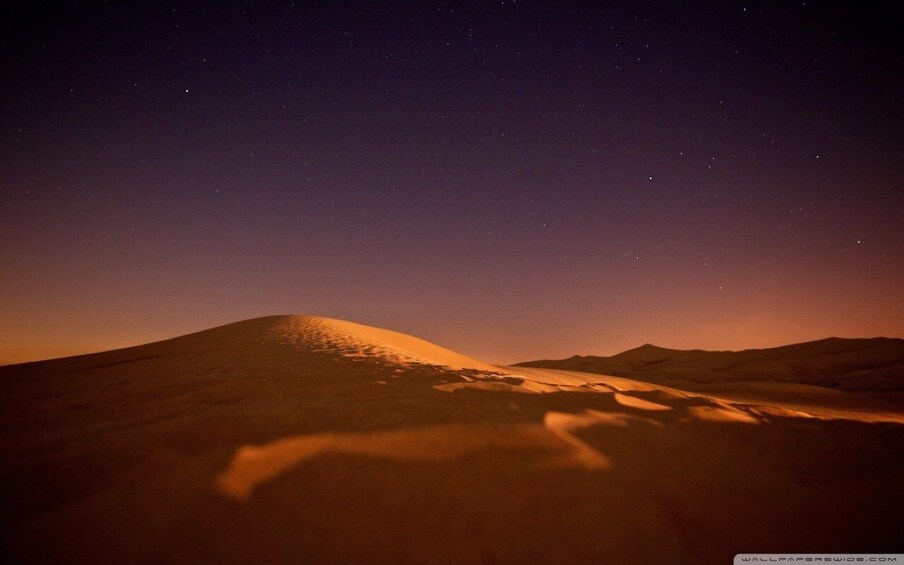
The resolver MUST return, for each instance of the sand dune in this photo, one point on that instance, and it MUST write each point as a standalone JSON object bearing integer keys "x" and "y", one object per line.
{"x": 295, "y": 439}
{"x": 849, "y": 364}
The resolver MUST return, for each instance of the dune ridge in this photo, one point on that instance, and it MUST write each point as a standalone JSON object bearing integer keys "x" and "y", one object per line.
{"x": 359, "y": 341}
{"x": 848, "y": 364}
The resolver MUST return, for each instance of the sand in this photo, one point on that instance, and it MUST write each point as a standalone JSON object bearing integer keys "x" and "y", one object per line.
{"x": 294, "y": 439}
{"x": 846, "y": 364}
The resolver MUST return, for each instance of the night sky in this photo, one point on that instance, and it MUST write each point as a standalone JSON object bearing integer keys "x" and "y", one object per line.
{"x": 513, "y": 180}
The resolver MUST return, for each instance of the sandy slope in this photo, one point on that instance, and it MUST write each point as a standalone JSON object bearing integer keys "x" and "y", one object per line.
{"x": 847, "y": 364}
{"x": 299, "y": 439}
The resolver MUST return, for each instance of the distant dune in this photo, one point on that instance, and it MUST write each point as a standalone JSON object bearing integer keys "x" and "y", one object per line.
{"x": 292, "y": 439}
{"x": 848, "y": 364}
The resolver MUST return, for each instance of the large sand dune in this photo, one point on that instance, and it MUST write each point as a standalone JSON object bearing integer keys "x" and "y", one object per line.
{"x": 303, "y": 439}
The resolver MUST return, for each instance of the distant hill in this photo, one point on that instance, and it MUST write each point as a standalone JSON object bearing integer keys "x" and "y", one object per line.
{"x": 849, "y": 364}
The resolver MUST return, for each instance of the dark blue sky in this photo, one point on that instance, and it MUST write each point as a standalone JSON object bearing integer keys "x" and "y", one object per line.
{"x": 512, "y": 179}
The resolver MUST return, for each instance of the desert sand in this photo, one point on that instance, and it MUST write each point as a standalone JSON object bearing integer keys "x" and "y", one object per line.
{"x": 292, "y": 439}
{"x": 845, "y": 364}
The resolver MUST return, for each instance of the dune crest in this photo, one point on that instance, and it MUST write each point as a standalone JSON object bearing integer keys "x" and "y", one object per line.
{"x": 357, "y": 341}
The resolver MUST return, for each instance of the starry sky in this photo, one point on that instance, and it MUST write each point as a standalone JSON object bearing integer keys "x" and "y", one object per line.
{"x": 513, "y": 180}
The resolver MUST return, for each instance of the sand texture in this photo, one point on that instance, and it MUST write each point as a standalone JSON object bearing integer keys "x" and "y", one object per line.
{"x": 293, "y": 439}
